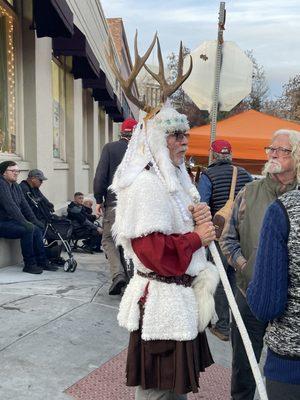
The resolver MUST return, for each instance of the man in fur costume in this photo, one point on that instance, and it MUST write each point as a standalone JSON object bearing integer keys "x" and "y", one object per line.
{"x": 162, "y": 227}
{"x": 169, "y": 301}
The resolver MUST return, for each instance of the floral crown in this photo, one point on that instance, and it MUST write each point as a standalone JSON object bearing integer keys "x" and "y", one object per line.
{"x": 169, "y": 120}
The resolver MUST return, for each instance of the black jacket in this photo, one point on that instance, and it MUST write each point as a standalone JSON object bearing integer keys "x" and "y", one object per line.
{"x": 81, "y": 215}
{"x": 220, "y": 175}
{"x": 111, "y": 156}
{"x": 13, "y": 205}
{"x": 40, "y": 205}
{"x": 89, "y": 214}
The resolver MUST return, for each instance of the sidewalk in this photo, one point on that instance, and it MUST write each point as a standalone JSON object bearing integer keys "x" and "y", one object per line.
{"x": 58, "y": 328}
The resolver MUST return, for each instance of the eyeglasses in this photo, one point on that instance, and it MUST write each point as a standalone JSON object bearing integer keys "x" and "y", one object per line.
{"x": 14, "y": 171}
{"x": 281, "y": 151}
{"x": 180, "y": 136}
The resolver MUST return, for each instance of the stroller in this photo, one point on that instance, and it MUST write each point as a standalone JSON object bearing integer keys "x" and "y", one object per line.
{"x": 57, "y": 234}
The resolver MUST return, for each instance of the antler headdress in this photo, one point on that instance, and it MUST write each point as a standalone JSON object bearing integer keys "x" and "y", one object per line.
{"x": 148, "y": 143}
{"x": 166, "y": 89}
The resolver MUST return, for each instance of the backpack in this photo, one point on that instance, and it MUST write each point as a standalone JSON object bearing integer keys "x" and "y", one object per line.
{"x": 223, "y": 215}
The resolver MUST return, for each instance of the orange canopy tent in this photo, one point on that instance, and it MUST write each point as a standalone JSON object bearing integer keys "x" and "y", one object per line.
{"x": 248, "y": 133}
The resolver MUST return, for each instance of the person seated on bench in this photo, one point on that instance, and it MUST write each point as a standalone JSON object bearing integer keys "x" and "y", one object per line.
{"x": 84, "y": 228}
{"x": 17, "y": 221}
{"x": 42, "y": 208}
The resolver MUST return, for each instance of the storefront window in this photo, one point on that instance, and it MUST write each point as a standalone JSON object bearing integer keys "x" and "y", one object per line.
{"x": 7, "y": 81}
{"x": 59, "y": 109}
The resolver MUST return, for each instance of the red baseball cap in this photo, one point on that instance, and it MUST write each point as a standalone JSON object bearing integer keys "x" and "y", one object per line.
{"x": 128, "y": 125}
{"x": 221, "y": 147}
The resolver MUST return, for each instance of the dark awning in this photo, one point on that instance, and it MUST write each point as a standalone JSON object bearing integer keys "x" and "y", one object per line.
{"x": 117, "y": 117}
{"x": 102, "y": 89}
{"x": 84, "y": 62}
{"x": 52, "y": 18}
{"x": 113, "y": 109}
{"x": 104, "y": 94}
{"x": 126, "y": 108}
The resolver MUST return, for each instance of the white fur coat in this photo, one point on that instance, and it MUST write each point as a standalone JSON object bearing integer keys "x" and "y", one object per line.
{"x": 171, "y": 311}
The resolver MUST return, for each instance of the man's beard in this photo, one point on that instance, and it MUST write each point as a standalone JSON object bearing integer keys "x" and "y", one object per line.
{"x": 272, "y": 167}
{"x": 181, "y": 157}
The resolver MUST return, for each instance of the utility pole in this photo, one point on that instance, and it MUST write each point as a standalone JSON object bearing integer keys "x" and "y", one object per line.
{"x": 215, "y": 106}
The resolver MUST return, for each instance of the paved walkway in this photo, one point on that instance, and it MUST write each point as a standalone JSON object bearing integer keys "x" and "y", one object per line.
{"x": 59, "y": 338}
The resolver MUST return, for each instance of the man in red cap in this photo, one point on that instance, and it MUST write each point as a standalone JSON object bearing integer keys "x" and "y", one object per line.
{"x": 111, "y": 156}
{"x": 214, "y": 187}
{"x": 221, "y": 147}
{"x": 127, "y": 127}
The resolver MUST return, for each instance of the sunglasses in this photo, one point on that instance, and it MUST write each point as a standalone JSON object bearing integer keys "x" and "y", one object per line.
{"x": 180, "y": 136}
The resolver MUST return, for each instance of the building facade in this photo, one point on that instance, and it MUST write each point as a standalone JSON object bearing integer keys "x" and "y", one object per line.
{"x": 118, "y": 34}
{"x": 148, "y": 87}
{"x": 59, "y": 100}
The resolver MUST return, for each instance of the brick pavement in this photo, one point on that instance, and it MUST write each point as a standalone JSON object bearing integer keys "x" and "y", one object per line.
{"x": 60, "y": 331}
{"x": 108, "y": 382}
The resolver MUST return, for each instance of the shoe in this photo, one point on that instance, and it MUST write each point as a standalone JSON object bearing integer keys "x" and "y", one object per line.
{"x": 49, "y": 267}
{"x": 219, "y": 334}
{"x": 87, "y": 248}
{"x": 60, "y": 261}
{"x": 46, "y": 266}
{"x": 32, "y": 269}
{"x": 118, "y": 283}
{"x": 96, "y": 250}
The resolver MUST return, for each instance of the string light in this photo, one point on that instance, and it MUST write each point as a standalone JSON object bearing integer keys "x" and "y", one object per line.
{"x": 11, "y": 77}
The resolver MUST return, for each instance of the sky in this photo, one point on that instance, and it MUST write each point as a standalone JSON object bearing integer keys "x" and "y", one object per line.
{"x": 271, "y": 28}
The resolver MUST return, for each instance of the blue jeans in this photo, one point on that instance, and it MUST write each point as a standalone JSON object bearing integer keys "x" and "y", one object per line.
{"x": 32, "y": 245}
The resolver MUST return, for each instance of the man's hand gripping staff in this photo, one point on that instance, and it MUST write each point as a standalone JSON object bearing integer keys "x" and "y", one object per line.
{"x": 203, "y": 225}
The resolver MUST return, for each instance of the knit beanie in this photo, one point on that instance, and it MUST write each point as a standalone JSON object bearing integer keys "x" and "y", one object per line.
{"x": 5, "y": 164}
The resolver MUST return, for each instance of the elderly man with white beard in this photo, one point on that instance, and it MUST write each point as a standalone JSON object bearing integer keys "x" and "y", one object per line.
{"x": 240, "y": 241}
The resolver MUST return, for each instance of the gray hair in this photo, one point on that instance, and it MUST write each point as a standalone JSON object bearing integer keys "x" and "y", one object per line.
{"x": 222, "y": 157}
{"x": 294, "y": 138}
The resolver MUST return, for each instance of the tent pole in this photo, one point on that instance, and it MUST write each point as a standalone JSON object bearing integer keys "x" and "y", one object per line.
{"x": 215, "y": 105}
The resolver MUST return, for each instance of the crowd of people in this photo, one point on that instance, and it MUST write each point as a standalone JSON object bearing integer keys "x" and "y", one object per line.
{"x": 259, "y": 247}
{"x": 25, "y": 214}
{"x": 254, "y": 247}
{"x": 155, "y": 216}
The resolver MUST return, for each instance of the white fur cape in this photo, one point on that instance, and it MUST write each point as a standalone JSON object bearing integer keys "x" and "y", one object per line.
{"x": 171, "y": 311}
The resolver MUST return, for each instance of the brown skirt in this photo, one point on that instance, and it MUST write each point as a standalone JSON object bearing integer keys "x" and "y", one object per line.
{"x": 167, "y": 364}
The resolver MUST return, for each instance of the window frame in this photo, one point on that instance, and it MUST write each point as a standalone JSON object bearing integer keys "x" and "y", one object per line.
{"x": 13, "y": 107}
{"x": 64, "y": 67}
